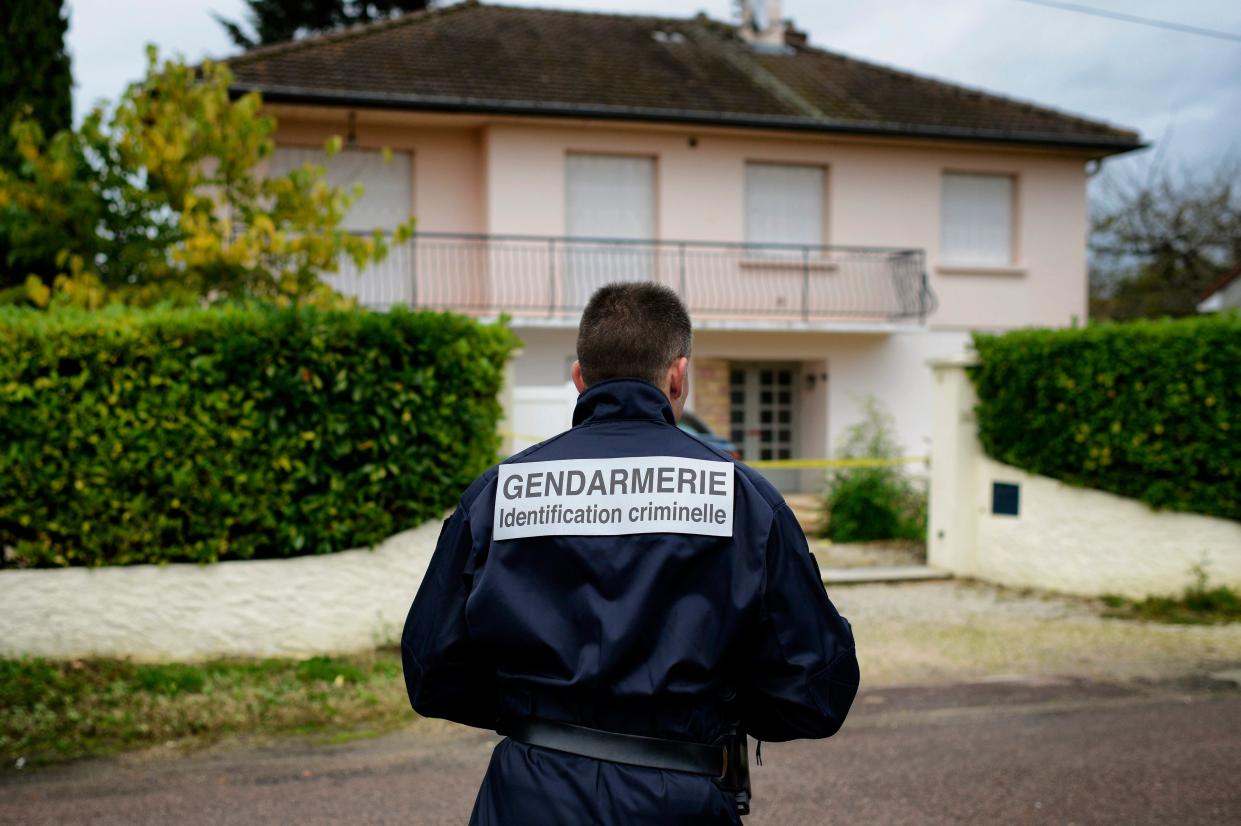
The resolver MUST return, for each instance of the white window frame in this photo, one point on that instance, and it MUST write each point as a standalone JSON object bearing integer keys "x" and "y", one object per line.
{"x": 818, "y": 192}
{"x": 969, "y": 247}
{"x": 650, "y": 228}
{"x": 588, "y": 266}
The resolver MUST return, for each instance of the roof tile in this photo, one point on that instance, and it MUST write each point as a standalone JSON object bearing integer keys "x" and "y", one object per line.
{"x": 496, "y": 58}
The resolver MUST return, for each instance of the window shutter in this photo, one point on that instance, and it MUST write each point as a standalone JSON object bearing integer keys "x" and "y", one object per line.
{"x": 783, "y": 204}
{"x": 387, "y": 199}
{"x": 610, "y": 196}
{"x": 977, "y": 219}
{"x": 607, "y": 196}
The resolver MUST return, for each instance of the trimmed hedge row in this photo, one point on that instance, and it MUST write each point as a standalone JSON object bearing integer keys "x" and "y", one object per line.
{"x": 238, "y": 432}
{"x": 1148, "y": 409}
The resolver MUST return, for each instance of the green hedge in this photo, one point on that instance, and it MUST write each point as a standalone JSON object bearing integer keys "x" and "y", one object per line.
{"x": 236, "y": 433}
{"x": 1149, "y": 409}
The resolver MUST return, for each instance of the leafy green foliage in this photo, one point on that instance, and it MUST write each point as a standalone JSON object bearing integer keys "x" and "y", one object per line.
{"x": 1146, "y": 409}
{"x": 236, "y": 432}
{"x": 55, "y": 710}
{"x": 879, "y": 502}
{"x": 36, "y": 84}
{"x": 163, "y": 198}
{"x": 275, "y": 21}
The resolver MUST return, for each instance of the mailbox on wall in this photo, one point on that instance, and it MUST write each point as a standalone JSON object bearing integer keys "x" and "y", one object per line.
{"x": 1005, "y": 499}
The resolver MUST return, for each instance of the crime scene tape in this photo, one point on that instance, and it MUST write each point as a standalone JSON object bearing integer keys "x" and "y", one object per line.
{"x": 782, "y": 464}
{"x": 814, "y": 464}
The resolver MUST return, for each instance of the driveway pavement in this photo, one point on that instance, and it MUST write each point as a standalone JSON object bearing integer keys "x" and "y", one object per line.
{"x": 987, "y": 753}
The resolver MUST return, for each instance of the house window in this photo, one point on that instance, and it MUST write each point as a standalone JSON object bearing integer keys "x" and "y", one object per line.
{"x": 607, "y": 197}
{"x": 783, "y": 204}
{"x": 387, "y": 197}
{"x": 977, "y": 219}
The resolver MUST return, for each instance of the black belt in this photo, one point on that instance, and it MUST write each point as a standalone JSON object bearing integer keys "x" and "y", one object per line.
{"x": 631, "y": 749}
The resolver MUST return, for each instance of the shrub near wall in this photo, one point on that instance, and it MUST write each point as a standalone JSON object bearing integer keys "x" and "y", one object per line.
{"x": 234, "y": 433}
{"x": 1149, "y": 410}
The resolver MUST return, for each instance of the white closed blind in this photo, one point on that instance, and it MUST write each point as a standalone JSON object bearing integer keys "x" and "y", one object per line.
{"x": 387, "y": 197}
{"x": 609, "y": 196}
{"x": 977, "y": 219}
{"x": 783, "y": 204}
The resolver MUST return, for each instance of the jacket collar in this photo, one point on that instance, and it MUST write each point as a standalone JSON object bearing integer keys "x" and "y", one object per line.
{"x": 622, "y": 399}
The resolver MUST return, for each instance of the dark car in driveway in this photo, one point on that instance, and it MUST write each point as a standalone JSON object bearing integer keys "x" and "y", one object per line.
{"x": 695, "y": 427}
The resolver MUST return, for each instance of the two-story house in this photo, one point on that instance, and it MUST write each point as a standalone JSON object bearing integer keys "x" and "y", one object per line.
{"x": 832, "y": 224}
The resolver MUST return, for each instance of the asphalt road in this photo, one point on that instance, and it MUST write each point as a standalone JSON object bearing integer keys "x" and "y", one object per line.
{"x": 992, "y": 752}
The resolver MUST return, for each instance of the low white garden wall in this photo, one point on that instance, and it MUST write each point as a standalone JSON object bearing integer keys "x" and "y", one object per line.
{"x": 1063, "y": 538}
{"x": 272, "y": 607}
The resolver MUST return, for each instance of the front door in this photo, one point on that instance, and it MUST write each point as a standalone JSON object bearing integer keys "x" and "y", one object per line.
{"x": 607, "y": 196}
{"x": 763, "y": 414}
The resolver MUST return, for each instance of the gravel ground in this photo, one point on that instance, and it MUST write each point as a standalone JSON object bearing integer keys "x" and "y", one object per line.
{"x": 938, "y": 632}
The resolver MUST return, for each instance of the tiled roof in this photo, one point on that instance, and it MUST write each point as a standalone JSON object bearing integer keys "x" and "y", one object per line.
{"x": 500, "y": 59}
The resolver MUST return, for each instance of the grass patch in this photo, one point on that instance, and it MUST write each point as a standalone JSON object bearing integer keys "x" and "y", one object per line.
{"x": 1198, "y": 605}
{"x": 53, "y": 710}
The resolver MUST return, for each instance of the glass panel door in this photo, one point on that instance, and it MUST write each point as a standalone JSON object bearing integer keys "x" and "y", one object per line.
{"x": 762, "y": 413}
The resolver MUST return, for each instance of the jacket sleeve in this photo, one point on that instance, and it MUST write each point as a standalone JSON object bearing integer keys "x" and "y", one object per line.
{"x": 803, "y": 672}
{"x": 447, "y": 674}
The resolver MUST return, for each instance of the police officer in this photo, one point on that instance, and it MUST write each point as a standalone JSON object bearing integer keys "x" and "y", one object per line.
{"x": 625, "y": 602}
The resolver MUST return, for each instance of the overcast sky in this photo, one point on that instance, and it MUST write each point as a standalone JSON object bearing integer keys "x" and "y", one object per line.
{"x": 1182, "y": 92}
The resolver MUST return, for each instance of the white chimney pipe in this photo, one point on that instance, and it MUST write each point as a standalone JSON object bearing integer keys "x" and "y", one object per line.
{"x": 765, "y": 27}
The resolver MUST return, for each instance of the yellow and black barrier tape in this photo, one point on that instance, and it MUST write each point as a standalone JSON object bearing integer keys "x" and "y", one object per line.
{"x": 782, "y": 464}
{"x": 817, "y": 464}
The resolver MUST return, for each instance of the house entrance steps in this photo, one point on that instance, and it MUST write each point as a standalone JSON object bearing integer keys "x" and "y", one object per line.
{"x": 881, "y": 574}
{"x": 859, "y": 563}
{"x": 808, "y": 508}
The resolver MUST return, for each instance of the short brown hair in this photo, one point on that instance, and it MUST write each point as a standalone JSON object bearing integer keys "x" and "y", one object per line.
{"x": 634, "y": 330}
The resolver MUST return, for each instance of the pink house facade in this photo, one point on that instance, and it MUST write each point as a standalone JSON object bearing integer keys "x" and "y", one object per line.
{"x": 832, "y": 225}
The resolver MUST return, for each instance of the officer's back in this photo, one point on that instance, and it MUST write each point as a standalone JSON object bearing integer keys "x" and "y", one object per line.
{"x": 630, "y": 581}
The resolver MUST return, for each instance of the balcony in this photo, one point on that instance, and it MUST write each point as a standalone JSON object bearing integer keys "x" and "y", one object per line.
{"x": 546, "y": 281}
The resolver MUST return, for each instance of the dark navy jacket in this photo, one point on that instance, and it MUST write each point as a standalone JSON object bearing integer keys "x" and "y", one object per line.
{"x": 638, "y": 633}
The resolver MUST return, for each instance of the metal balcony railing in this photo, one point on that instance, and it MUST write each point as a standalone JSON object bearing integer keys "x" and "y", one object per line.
{"x": 545, "y": 277}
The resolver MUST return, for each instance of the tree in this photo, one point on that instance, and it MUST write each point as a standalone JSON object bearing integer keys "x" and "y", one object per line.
{"x": 35, "y": 81}
{"x": 163, "y": 198}
{"x": 1162, "y": 240}
{"x": 275, "y": 21}
{"x": 34, "y": 69}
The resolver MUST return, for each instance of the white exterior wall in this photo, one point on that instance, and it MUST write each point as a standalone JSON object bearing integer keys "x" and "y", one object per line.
{"x": 1226, "y": 298}
{"x": 890, "y": 367}
{"x": 1069, "y": 539}
{"x": 307, "y": 605}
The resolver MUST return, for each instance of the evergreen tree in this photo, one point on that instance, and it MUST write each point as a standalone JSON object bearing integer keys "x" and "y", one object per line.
{"x": 34, "y": 79}
{"x": 274, "y": 21}
{"x": 34, "y": 69}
